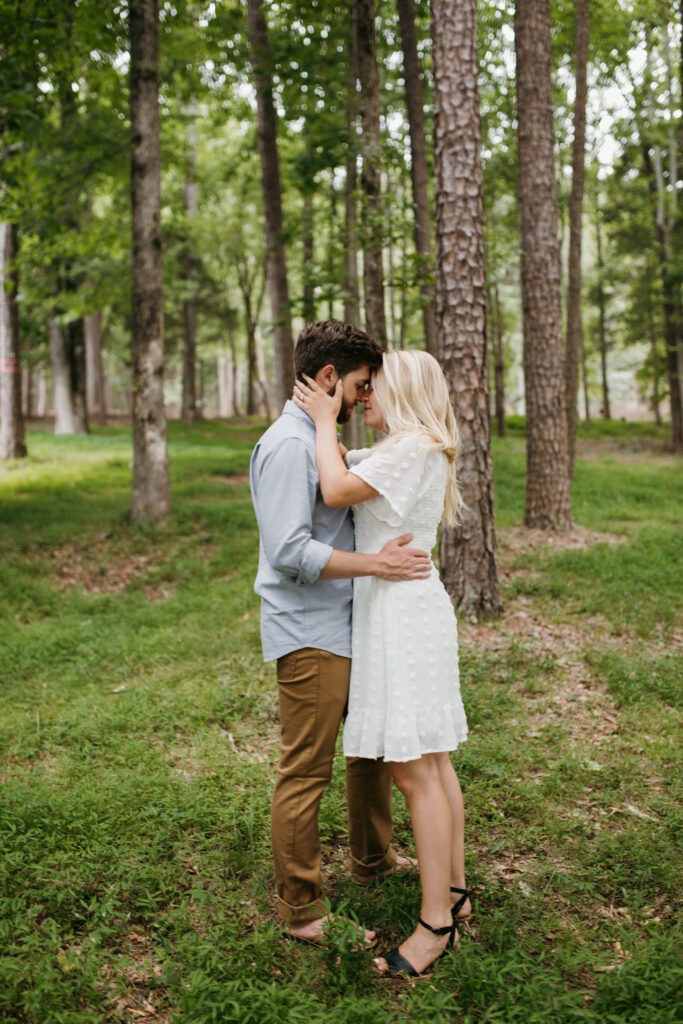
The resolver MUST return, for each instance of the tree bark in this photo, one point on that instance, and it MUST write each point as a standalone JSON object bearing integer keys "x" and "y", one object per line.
{"x": 499, "y": 365}
{"x": 548, "y": 503}
{"x": 151, "y": 488}
{"x": 189, "y": 271}
{"x": 419, "y": 174}
{"x": 574, "y": 323}
{"x": 468, "y": 553}
{"x": 653, "y": 350}
{"x": 602, "y": 325}
{"x": 351, "y": 291}
{"x": 12, "y": 443}
{"x": 61, "y": 382}
{"x": 308, "y": 309}
{"x": 371, "y": 150}
{"x": 272, "y": 201}
{"x": 584, "y": 377}
{"x": 95, "y": 390}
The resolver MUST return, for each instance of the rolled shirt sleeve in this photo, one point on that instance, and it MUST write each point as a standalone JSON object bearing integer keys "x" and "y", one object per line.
{"x": 285, "y": 502}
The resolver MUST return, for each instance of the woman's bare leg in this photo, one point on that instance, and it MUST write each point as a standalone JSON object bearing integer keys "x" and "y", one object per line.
{"x": 430, "y": 811}
{"x": 453, "y": 792}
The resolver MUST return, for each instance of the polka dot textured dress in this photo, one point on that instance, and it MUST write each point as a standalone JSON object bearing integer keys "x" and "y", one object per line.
{"x": 404, "y": 697}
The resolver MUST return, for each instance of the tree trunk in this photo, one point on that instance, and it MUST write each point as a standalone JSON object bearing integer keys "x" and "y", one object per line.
{"x": 61, "y": 383}
{"x": 584, "y": 377}
{"x": 12, "y": 444}
{"x": 272, "y": 201}
{"x": 653, "y": 350}
{"x": 468, "y": 553}
{"x": 351, "y": 294}
{"x": 548, "y": 503}
{"x": 602, "y": 325}
{"x": 419, "y": 174}
{"x": 499, "y": 365}
{"x": 371, "y": 150}
{"x": 92, "y": 327}
{"x": 189, "y": 271}
{"x": 307, "y": 232}
{"x": 574, "y": 324}
{"x": 353, "y": 431}
{"x": 151, "y": 488}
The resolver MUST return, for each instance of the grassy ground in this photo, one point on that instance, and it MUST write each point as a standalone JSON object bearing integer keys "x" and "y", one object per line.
{"x": 139, "y": 739}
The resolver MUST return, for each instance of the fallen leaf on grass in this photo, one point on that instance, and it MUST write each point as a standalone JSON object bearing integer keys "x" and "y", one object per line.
{"x": 119, "y": 689}
{"x": 640, "y": 814}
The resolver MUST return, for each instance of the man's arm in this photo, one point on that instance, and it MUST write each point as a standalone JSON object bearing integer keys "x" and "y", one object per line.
{"x": 394, "y": 562}
{"x": 284, "y": 502}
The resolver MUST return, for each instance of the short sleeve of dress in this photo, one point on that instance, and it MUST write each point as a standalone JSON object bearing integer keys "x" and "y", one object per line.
{"x": 401, "y": 473}
{"x": 357, "y": 455}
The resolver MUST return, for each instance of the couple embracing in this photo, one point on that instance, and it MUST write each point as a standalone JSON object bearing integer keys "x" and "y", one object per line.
{"x": 381, "y": 652}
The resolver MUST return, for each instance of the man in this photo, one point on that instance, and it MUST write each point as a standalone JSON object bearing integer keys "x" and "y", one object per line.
{"x": 306, "y": 565}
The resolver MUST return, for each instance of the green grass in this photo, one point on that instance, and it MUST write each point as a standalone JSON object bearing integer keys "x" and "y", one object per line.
{"x": 139, "y": 740}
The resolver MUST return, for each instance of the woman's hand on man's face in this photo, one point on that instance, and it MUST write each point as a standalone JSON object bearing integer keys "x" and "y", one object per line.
{"x": 316, "y": 401}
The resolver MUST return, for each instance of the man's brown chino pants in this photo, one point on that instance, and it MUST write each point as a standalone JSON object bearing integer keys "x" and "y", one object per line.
{"x": 313, "y": 687}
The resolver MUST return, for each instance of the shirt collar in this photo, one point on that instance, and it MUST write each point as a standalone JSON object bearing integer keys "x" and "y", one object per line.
{"x": 290, "y": 409}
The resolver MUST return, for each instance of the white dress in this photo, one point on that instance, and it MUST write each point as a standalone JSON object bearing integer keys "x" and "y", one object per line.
{"x": 404, "y": 697}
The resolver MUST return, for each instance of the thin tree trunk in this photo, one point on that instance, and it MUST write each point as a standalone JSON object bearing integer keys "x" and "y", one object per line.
{"x": 584, "y": 377}
{"x": 307, "y": 232}
{"x": 92, "y": 327}
{"x": 61, "y": 386}
{"x": 12, "y": 443}
{"x": 351, "y": 295}
{"x": 653, "y": 349}
{"x": 371, "y": 149}
{"x": 499, "y": 366}
{"x": 419, "y": 174}
{"x": 272, "y": 201}
{"x": 151, "y": 488}
{"x": 189, "y": 269}
{"x": 468, "y": 553}
{"x": 548, "y": 503}
{"x": 602, "y": 319}
{"x": 574, "y": 323}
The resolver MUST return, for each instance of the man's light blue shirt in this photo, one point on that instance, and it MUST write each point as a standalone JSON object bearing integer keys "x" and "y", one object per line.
{"x": 298, "y": 534}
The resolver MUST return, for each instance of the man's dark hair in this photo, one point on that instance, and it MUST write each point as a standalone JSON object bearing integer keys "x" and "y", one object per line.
{"x": 334, "y": 342}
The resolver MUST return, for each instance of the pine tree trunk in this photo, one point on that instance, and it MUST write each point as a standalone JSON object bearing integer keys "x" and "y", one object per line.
{"x": 371, "y": 150}
{"x": 584, "y": 377}
{"x": 548, "y": 503}
{"x": 307, "y": 233}
{"x": 151, "y": 488}
{"x": 468, "y": 553}
{"x": 419, "y": 174}
{"x": 574, "y": 324}
{"x": 189, "y": 272}
{"x": 351, "y": 294}
{"x": 92, "y": 327}
{"x": 653, "y": 350}
{"x": 499, "y": 366}
{"x": 602, "y": 324}
{"x": 272, "y": 202}
{"x": 12, "y": 444}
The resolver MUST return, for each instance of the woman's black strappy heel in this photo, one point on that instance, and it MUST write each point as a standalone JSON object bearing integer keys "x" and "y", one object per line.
{"x": 399, "y": 967}
{"x": 459, "y": 903}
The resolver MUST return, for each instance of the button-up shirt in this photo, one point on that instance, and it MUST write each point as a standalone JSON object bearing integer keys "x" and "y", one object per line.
{"x": 298, "y": 533}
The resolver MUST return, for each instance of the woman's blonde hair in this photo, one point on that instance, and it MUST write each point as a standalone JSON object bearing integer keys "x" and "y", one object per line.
{"x": 412, "y": 391}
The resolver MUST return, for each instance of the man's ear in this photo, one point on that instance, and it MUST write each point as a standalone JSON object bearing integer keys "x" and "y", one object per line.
{"x": 327, "y": 376}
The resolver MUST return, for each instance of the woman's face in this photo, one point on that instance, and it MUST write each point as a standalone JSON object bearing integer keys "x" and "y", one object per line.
{"x": 374, "y": 417}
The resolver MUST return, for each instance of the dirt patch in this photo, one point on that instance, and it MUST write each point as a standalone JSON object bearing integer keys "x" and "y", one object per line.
{"x": 232, "y": 480}
{"x": 97, "y": 572}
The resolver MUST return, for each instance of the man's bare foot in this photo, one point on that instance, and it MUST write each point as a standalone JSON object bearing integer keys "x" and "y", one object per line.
{"x": 401, "y": 864}
{"x": 420, "y": 950}
{"x": 314, "y": 931}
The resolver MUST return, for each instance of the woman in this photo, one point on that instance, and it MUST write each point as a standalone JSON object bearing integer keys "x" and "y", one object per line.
{"x": 404, "y": 698}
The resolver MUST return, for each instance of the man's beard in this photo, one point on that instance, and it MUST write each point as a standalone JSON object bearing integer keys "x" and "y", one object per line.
{"x": 344, "y": 414}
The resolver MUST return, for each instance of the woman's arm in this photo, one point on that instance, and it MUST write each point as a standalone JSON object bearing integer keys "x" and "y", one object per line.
{"x": 338, "y": 486}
